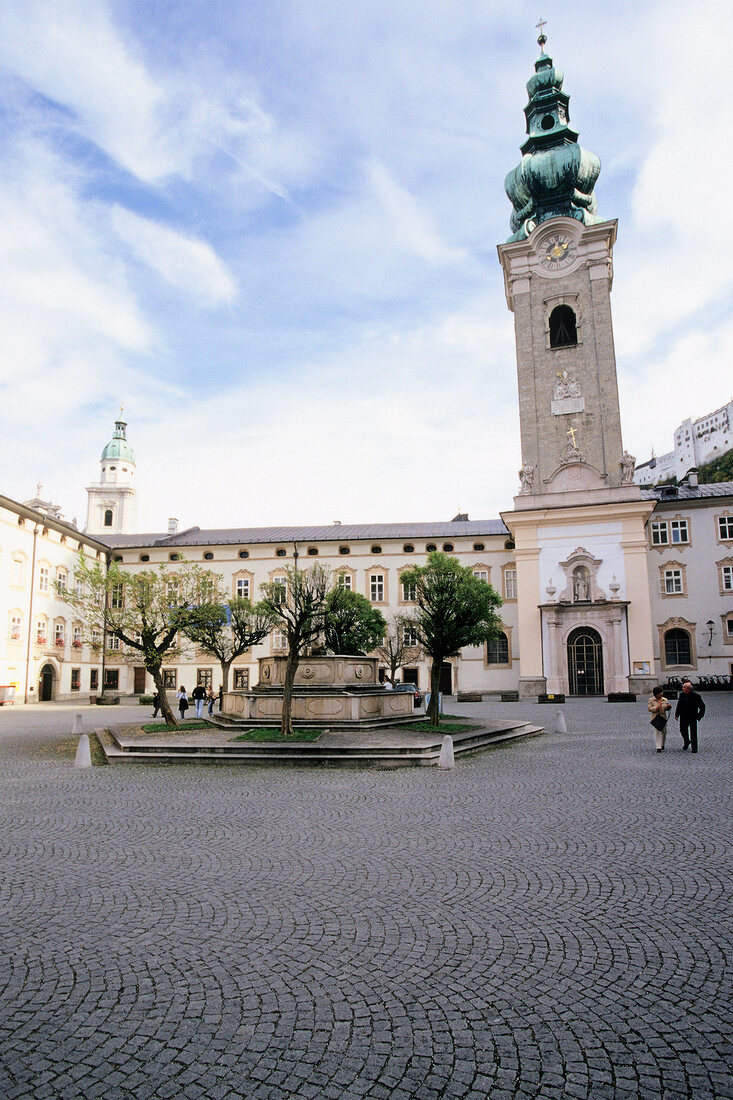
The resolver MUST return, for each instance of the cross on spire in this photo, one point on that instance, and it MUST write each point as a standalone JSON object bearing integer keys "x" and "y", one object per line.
{"x": 543, "y": 37}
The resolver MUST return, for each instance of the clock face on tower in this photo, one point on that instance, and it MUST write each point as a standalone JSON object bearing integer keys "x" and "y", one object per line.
{"x": 557, "y": 252}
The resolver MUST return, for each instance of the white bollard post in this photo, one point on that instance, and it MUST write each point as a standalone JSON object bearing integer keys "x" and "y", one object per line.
{"x": 447, "y": 758}
{"x": 78, "y": 723}
{"x": 83, "y": 753}
{"x": 561, "y": 725}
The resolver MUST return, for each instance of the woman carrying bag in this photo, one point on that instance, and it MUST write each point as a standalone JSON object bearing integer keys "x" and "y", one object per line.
{"x": 659, "y": 709}
{"x": 182, "y": 698}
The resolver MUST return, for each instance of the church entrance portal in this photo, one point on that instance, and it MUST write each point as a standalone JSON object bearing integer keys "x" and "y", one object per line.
{"x": 45, "y": 685}
{"x": 585, "y": 661}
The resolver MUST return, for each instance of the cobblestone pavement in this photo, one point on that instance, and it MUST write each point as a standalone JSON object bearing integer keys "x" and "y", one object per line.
{"x": 550, "y": 919}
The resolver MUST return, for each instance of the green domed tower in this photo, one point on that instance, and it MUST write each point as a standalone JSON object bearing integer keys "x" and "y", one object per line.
{"x": 111, "y": 501}
{"x": 555, "y": 177}
{"x": 578, "y": 519}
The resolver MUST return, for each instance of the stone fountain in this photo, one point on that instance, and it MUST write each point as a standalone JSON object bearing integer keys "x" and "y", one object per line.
{"x": 336, "y": 691}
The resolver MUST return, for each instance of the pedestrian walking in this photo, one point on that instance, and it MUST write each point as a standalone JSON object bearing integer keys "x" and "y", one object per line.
{"x": 156, "y": 704}
{"x": 221, "y": 696}
{"x": 198, "y": 695}
{"x": 210, "y": 699}
{"x": 689, "y": 711}
{"x": 659, "y": 708}
{"x": 182, "y": 698}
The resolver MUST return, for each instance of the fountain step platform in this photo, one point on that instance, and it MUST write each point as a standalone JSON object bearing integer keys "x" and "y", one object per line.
{"x": 385, "y": 747}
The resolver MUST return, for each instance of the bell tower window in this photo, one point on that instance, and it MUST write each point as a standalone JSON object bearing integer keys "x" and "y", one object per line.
{"x": 563, "y": 328}
{"x": 108, "y": 517}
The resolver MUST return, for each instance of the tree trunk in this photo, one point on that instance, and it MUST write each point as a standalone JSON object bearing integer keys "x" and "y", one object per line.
{"x": 165, "y": 709}
{"x": 434, "y": 706}
{"x": 225, "y": 666}
{"x": 286, "y": 725}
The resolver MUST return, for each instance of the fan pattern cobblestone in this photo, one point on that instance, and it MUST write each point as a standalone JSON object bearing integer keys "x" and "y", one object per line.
{"x": 550, "y": 919}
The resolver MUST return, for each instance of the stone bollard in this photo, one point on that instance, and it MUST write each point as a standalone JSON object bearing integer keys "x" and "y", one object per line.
{"x": 78, "y": 724}
{"x": 561, "y": 724}
{"x": 83, "y": 753}
{"x": 447, "y": 759}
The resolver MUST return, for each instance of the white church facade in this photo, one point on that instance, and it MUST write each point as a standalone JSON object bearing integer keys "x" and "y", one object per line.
{"x": 607, "y": 586}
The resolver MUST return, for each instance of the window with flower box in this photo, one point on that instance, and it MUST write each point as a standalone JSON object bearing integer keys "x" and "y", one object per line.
{"x": 76, "y": 638}
{"x": 59, "y": 635}
{"x": 41, "y": 632}
{"x": 76, "y": 679}
{"x": 15, "y": 625}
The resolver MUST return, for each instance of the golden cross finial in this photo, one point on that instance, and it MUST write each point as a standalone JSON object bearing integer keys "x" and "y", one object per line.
{"x": 571, "y": 433}
{"x": 543, "y": 37}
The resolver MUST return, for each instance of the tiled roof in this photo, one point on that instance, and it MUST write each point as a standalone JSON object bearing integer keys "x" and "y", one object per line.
{"x": 688, "y": 492}
{"x": 195, "y": 536}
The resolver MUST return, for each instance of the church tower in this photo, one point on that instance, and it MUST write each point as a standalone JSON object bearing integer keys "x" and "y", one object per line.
{"x": 111, "y": 505}
{"x": 578, "y": 520}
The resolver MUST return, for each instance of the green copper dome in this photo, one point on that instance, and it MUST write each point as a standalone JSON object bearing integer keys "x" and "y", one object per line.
{"x": 555, "y": 177}
{"x": 118, "y": 447}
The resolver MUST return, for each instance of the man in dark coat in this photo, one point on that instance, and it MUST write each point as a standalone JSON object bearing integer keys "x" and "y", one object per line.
{"x": 690, "y": 709}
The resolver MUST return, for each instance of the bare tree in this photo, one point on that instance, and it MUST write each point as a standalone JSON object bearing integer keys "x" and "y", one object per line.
{"x": 226, "y": 630}
{"x": 298, "y": 603}
{"x": 400, "y": 646}
{"x": 140, "y": 609}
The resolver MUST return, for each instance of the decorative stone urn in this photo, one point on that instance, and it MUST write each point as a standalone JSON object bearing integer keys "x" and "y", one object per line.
{"x": 333, "y": 690}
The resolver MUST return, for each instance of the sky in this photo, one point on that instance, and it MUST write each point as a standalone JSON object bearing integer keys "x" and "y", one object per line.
{"x": 268, "y": 230}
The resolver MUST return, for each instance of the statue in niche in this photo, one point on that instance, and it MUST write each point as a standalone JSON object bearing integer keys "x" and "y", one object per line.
{"x": 526, "y": 478}
{"x": 581, "y": 587}
{"x": 628, "y": 465}
{"x": 565, "y": 387}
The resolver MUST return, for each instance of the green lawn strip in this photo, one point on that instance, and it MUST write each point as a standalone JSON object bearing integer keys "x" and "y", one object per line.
{"x": 275, "y": 735}
{"x": 444, "y": 727}
{"x": 192, "y": 724}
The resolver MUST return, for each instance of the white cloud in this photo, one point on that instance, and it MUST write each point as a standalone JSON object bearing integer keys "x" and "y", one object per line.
{"x": 190, "y": 265}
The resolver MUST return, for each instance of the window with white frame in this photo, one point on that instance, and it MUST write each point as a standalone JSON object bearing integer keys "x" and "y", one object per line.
{"x": 660, "y": 532}
{"x": 279, "y": 641}
{"x": 116, "y": 596}
{"x": 409, "y": 591}
{"x": 41, "y": 632}
{"x": 481, "y": 575}
{"x": 76, "y": 638}
{"x": 79, "y": 586}
{"x": 44, "y": 578}
{"x": 15, "y": 626}
{"x": 242, "y": 588}
{"x": 241, "y": 679}
{"x": 679, "y": 531}
{"x": 61, "y": 579}
{"x": 96, "y": 638}
{"x": 169, "y": 678}
{"x": 729, "y": 627}
{"x": 173, "y": 591}
{"x": 510, "y": 584}
{"x": 376, "y": 587}
{"x": 113, "y": 642}
{"x": 726, "y": 578}
{"x": 344, "y": 580}
{"x": 672, "y": 582}
{"x": 280, "y": 589}
{"x": 409, "y": 636}
{"x": 59, "y": 634}
{"x": 725, "y": 527}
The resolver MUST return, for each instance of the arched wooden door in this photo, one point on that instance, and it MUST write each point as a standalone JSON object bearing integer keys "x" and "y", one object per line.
{"x": 585, "y": 661}
{"x": 45, "y": 684}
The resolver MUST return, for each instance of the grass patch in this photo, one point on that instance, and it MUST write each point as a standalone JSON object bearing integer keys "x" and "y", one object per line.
{"x": 191, "y": 724}
{"x": 272, "y": 734}
{"x": 452, "y": 726}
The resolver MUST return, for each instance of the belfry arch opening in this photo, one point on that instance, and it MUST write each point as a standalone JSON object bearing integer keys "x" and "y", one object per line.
{"x": 563, "y": 328}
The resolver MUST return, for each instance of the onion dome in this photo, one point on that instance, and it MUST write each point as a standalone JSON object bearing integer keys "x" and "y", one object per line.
{"x": 118, "y": 447}
{"x": 555, "y": 177}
